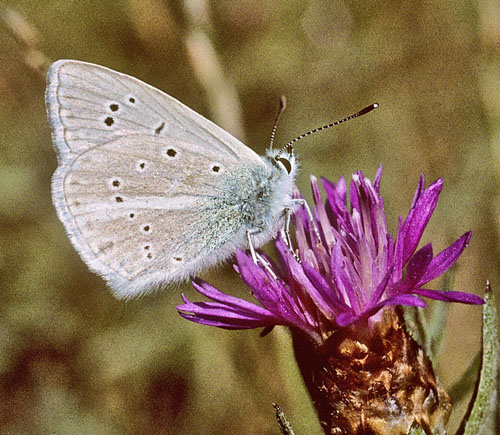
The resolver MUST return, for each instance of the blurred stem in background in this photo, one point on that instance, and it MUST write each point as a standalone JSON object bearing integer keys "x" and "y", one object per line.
{"x": 28, "y": 37}
{"x": 221, "y": 93}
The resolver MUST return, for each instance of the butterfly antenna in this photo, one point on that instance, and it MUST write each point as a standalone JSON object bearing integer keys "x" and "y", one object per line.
{"x": 278, "y": 116}
{"x": 289, "y": 145}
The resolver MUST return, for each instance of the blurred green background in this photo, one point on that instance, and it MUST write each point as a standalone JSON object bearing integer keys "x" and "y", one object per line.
{"x": 75, "y": 360}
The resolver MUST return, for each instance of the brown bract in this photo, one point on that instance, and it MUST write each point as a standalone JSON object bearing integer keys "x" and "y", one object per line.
{"x": 375, "y": 381}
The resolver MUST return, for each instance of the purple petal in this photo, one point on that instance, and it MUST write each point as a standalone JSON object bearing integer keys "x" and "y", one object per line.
{"x": 211, "y": 292}
{"x": 299, "y": 225}
{"x": 282, "y": 251}
{"x": 353, "y": 192}
{"x": 418, "y": 218}
{"x": 327, "y": 294}
{"x": 220, "y": 311}
{"x": 410, "y": 300}
{"x": 321, "y": 214}
{"x": 315, "y": 190}
{"x": 244, "y": 308}
{"x": 445, "y": 259}
{"x": 376, "y": 181}
{"x": 285, "y": 304}
{"x": 341, "y": 279}
{"x": 418, "y": 192}
{"x": 405, "y": 299}
{"x": 290, "y": 263}
{"x": 336, "y": 193}
{"x": 226, "y": 324}
{"x": 346, "y": 319}
{"x": 262, "y": 285}
{"x": 450, "y": 296}
{"x": 301, "y": 279}
{"x": 377, "y": 294}
{"x": 251, "y": 273}
{"x": 222, "y": 315}
{"x": 336, "y": 196}
{"x": 416, "y": 269}
{"x": 270, "y": 293}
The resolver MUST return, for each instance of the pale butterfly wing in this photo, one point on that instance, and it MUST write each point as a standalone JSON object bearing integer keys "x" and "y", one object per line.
{"x": 146, "y": 221}
{"x": 140, "y": 178}
{"x": 88, "y": 105}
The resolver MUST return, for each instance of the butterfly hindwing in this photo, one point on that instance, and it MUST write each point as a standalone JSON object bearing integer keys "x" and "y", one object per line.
{"x": 140, "y": 179}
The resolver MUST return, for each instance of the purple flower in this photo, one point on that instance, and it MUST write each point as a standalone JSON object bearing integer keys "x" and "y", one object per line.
{"x": 350, "y": 275}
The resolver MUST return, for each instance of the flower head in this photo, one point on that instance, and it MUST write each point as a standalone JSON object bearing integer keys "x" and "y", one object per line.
{"x": 356, "y": 269}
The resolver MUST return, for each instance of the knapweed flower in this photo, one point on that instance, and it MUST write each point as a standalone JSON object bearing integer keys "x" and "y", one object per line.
{"x": 356, "y": 269}
{"x": 339, "y": 294}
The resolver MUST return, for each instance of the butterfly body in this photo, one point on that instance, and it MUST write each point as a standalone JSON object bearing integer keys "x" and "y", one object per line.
{"x": 149, "y": 191}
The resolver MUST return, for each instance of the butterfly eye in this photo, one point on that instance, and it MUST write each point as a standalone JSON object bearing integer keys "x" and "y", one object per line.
{"x": 286, "y": 163}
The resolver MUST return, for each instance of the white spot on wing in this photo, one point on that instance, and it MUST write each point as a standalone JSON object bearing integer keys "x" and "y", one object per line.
{"x": 141, "y": 165}
{"x": 170, "y": 152}
{"x": 115, "y": 183}
{"x": 146, "y": 228}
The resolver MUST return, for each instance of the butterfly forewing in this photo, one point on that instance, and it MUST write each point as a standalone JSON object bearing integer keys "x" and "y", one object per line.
{"x": 88, "y": 105}
{"x": 139, "y": 174}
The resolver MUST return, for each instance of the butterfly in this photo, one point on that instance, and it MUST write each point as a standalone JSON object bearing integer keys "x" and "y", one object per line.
{"x": 149, "y": 191}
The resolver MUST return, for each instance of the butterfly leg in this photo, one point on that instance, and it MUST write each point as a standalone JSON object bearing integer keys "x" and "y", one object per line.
{"x": 285, "y": 234}
{"x": 304, "y": 203}
{"x": 256, "y": 257}
{"x": 250, "y": 244}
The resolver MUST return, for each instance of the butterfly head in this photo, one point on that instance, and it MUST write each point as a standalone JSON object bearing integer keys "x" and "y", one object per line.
{"x": 284, "y": 159}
